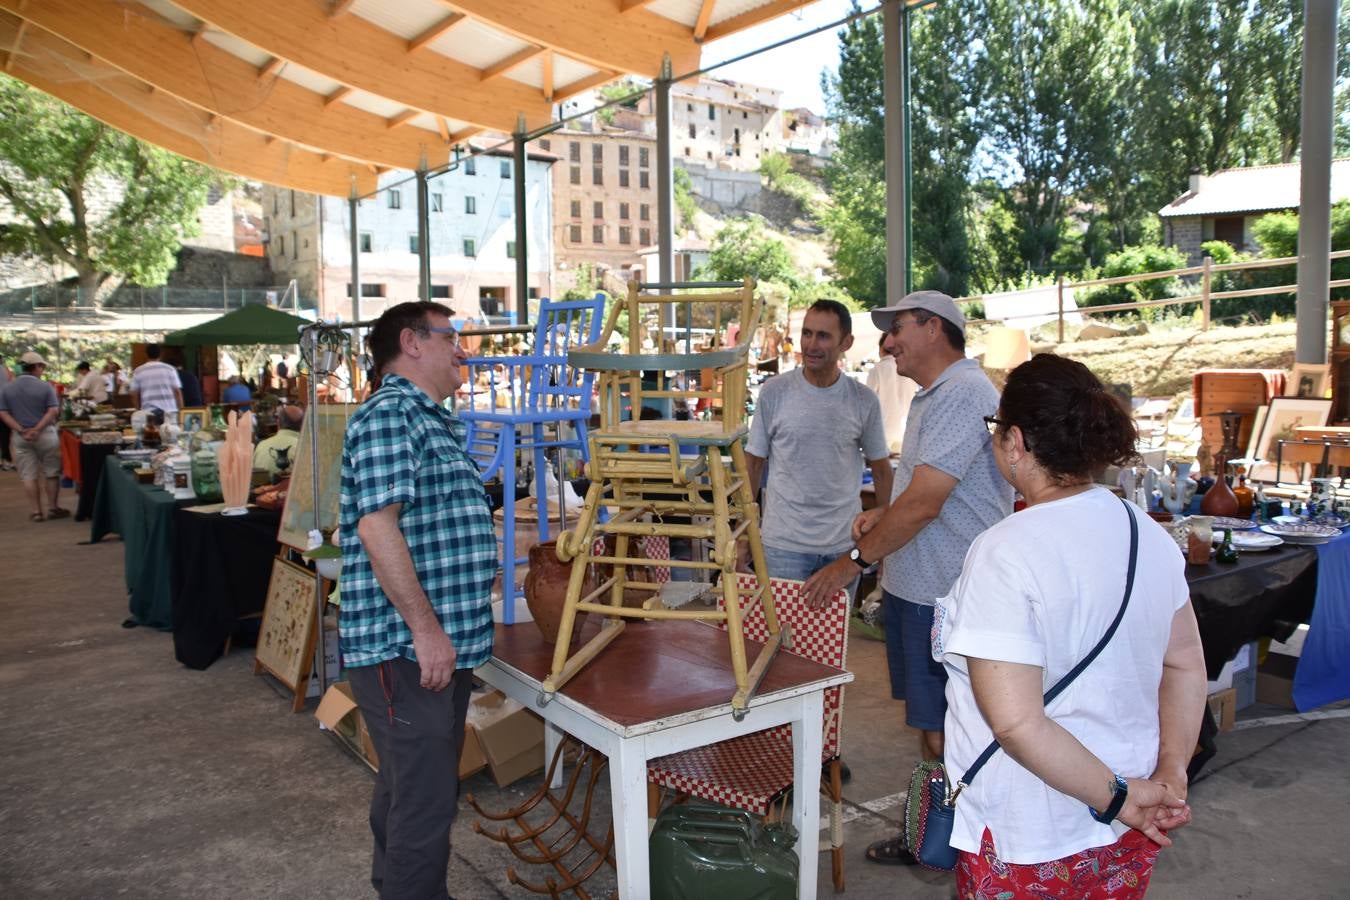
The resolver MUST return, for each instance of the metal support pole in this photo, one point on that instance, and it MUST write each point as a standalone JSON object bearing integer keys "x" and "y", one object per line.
{"x": 665, "y": 183}
{"x": 907, "y": 244}
{"x": 352, "y": 203}
{"x": 423, "y": 244}
{"x": 311, "y": 337}
{"x": 522, "y": 225}
{"x": 1314, "y": 213}
{"x": 897, "y": 140}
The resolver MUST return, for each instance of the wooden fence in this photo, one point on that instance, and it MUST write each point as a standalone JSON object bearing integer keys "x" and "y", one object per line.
{"x": 1205, "y": 297}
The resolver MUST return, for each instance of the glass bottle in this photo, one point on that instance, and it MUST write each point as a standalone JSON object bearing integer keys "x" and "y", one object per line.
{"x": 1246, "y": 499}
{"x": 1226, "y": 553}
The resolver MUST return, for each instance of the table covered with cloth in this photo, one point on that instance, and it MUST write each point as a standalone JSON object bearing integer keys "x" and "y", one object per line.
{"x": 1269, "y": 595}
{"x": 221, "y": 568}
{"x": 143, "y": 515}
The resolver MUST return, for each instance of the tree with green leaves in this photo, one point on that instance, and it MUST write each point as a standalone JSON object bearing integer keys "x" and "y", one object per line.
{"x": 742, "y": 248}
{"x": 58, "y": 167}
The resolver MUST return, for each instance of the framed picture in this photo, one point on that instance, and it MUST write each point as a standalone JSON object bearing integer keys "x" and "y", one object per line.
{"x": 192, "y": 418}
{"x": 1284, "y": 415}
{"x": 326, "y": 424}
{"x": 1308, "y": 380}
{"x": 1258, "y": 422}
{"x": 287, "y": 634}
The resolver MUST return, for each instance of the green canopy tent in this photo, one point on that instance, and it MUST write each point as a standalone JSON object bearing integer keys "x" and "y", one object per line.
{"x": 246, "y": 325}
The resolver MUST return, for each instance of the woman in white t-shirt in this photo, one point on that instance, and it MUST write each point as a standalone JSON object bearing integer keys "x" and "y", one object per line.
{"x": 1079, "y": 798}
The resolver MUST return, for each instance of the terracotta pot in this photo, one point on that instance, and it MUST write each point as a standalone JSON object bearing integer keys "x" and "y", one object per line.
{"x": 546, "y": 590}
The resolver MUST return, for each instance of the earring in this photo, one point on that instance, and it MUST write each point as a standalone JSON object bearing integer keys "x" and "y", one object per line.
{"x": 1012, "y": 470}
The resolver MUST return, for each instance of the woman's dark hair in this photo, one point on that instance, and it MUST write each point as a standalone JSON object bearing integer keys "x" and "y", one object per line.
{"x": 384, "y": 338}
{"x": 1071, "y": 423}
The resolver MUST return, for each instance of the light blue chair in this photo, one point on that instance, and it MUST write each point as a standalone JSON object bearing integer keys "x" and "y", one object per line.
{"x": 528, "y": 406}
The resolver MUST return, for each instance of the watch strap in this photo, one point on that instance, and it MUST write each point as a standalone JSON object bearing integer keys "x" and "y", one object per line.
{"x": 1122, "y": 791}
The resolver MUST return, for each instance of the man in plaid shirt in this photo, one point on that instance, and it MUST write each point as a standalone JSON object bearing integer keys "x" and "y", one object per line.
{"x": 419, "y": 557}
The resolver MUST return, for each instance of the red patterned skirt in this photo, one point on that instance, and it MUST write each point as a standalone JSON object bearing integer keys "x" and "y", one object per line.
{"x": 1115, "y": 872}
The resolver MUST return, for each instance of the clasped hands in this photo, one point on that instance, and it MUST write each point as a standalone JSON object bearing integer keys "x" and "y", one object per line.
{"x": 1157, "y": 805}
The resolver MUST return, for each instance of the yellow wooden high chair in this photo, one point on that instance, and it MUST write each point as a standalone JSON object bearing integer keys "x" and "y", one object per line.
{"x": 662, "y": 469}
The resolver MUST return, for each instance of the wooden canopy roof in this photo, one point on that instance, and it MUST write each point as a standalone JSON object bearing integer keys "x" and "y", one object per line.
{"x": 323, "y": 95}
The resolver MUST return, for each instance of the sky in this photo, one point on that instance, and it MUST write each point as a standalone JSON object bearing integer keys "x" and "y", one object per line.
{"x": 794, "y": 69}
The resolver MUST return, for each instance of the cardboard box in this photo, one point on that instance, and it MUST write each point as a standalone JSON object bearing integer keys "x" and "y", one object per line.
{"x": 1223, "y": 706}
{"x": 339, "y": 713}
{"x": 1244, "y": 684}
{"x": 1275, "y": 680}
{"x": 1243, "y": 660}
{"x": 511, "y": 737}
{"x": 330, "y": 658}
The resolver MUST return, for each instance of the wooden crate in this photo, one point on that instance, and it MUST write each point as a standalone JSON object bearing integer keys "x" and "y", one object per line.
{"x": 1239, "y": 390}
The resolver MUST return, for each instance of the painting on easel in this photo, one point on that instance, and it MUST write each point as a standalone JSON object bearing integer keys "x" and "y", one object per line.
{"x": 328, "y": 423}
{"x": 287, "y": 634}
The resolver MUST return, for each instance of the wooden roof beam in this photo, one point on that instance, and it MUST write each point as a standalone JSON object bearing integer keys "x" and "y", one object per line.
{"x": 18, "y": 42}
{"x": 217, "y": 82}
{"x": 403, "y": 118}
{"x": 749, "y": 18}
{"x": 228, "y": 146}
{"x": 548, "y": 76}
{"x": 359, "y": 54}
{"x": 340, "y": 8}
{"x": 591, "y": 31}
{"x": 272, "y": 67}
{"x": 584, "y": 84}
{"x": 340, "y": 94}
{"x": 630, "y": 5}
{"x": 443, "y": 127}
{"x": 444, "y": 26}
{"x": 704, "y": 16}
{"x": 511, "y": 62}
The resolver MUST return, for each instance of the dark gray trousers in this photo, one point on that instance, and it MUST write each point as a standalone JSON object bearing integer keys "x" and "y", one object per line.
{"x": 418, "y": 735}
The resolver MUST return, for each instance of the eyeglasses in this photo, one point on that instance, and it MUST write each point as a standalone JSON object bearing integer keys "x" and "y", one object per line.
{"x": 898, "y": 323}
{"x": 994, "y": 424}
{"x": 454, "y": 335}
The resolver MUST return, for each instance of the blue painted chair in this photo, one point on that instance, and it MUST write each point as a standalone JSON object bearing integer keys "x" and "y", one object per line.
{"x": 528, "y": 405}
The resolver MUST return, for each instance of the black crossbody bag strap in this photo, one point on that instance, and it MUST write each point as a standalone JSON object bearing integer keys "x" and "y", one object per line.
{"x": 1087, "y": 660}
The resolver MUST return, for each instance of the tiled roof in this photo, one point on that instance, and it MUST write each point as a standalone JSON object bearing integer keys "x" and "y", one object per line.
{"x": 1253, "y": 189}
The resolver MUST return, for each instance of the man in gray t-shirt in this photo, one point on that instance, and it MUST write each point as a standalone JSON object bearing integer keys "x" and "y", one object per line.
{"x": 947, "y": 490}
{"x": 28, "y": 405}
{"x": 814, "y": 427}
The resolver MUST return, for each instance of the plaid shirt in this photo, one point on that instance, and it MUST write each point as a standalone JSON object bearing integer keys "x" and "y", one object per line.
{"x": 401, "y": 447}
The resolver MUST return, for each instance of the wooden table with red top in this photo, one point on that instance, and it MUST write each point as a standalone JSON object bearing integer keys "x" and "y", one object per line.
{"x": 664, "y": 687}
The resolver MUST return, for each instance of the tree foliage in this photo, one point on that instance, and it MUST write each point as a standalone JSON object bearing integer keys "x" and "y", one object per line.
{"x": 1045, "y": 136}
{"x": 742, "y": 248}
{"x": 56, "y": 167}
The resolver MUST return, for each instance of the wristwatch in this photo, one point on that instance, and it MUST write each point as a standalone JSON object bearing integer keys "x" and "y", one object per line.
{"x": 1121, "y": 790}
{"x": 855, "y": 556}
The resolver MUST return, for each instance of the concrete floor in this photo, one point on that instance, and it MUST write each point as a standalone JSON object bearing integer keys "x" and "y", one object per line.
{"x": 125, "y": 774}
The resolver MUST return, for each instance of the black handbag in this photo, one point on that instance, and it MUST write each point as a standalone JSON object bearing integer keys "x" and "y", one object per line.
{"x": 930, "y": 809}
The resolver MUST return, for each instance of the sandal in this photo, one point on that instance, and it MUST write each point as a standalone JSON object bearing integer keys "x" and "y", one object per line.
{"x": 57, "y": 513}
{"x": 891, "y": 852}
{"x": 36, "y": 517}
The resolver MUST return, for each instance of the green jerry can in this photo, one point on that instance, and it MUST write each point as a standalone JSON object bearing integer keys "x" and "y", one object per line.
{"x": 703, "y": 850}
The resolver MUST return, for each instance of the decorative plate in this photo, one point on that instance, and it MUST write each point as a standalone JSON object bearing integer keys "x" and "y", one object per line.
{"x": 1251, "y": 541}
{"x": 1302, "y": 534}
{"x": 1222, "y": 522}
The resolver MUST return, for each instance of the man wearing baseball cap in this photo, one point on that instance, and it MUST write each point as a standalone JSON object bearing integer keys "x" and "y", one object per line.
{"x": 28, "y": 405}
{"x": 947, "y": 490}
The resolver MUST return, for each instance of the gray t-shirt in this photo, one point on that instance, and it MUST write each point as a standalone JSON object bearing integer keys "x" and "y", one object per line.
{"x": 946, "y": 430}
{"x": 27, "y": 398}
{"x": 816, "y": 441}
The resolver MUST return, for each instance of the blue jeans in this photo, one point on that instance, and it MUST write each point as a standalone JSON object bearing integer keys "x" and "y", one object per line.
{"x": 798, "y": 566}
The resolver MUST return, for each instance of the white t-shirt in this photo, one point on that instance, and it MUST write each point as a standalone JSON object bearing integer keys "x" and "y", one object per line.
{"x": 895, "y": 392}
{"x": 816, "y": 441}
{"x": 155, "y": 381}
{"x": 1041, "y": 588}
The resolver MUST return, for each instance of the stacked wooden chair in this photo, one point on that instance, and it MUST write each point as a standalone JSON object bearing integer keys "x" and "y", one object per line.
{"x": 662, "y": 469}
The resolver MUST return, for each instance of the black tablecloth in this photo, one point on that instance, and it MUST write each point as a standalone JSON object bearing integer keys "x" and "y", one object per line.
{"x": 1262, "y": 595}
{"x": 91, "y": 473}
{"x": 221, "y": 568}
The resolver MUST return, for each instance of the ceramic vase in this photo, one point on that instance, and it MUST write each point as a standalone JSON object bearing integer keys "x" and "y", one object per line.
{"x": 1220, "y": 499}
{"x": 546, "y": 591}
{"x": 1177, "y": 488}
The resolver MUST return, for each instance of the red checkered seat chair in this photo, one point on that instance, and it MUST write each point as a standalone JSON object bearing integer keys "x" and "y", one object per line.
{"x": 754, "y": 772}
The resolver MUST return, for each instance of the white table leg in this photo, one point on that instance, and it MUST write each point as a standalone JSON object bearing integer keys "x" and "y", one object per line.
{"x": 553, "y": 736}
{"x": 807, "y": 745}
{"x": 628, "y": 786}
